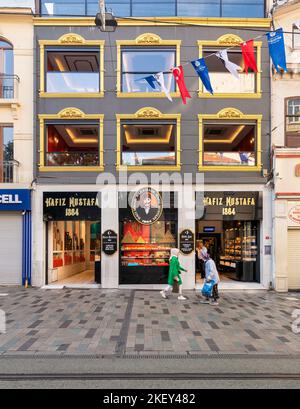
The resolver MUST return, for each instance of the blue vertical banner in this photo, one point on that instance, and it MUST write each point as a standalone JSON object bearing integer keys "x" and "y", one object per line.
{"x": 27, "y": 249}
{"x": 202, "y": 70}
{"x": 276, "y": 49}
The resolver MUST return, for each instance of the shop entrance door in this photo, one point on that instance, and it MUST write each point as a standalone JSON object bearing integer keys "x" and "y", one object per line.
{"x": 212, "y": 241}
{"x": 74, "y": 252}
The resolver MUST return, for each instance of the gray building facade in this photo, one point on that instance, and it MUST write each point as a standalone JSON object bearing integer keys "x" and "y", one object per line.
{"x": 236, "y": 225}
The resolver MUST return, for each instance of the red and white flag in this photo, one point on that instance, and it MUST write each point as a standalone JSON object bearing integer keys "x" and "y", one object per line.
{"x": 249, "y": 56}
{"x": 179, "y": 78}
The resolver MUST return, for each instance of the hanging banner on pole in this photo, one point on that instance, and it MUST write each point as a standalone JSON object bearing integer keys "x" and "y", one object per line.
{"x": 201, "y": 69}
{"x": 230, "y": 66}
{"x": 157, "y": 80}
{"x": 277, "y": 49}
{"x": 179, "y": 78}
{"x": 249, "y": 55}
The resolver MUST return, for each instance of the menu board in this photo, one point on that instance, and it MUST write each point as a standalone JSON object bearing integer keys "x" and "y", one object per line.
{"x": 186, "y": 241}
{"x": 109, "y": 242}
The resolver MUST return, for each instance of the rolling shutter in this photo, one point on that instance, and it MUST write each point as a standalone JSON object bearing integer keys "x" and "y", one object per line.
{"x": 10, "y": 248}
{"x": 294, "y": 259}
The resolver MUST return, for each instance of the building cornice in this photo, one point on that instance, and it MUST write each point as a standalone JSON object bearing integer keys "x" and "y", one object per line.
{"x": 158, "y": 21}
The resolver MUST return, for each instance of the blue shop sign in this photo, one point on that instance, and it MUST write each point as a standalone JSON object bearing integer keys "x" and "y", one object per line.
{"x": 15, "y": 200}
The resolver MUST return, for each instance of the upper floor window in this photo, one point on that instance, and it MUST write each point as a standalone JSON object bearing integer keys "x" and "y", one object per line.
{"x": 230, "y": 140}
{"x": 6, "y": 154}
{"x": 72, "y": 70}
{"x": 139, "y": 62}
{"x": 150, "y": 143}
{"x": 148, "y": 54}
{"x": 292, "y": 123}
{"x": 71, "y": 67}
{"x": 229, "y": 143}
{"x": 296, "y": 37}
{"x": 224, "y": 84}
{"x": 6, "y": 70}
{"x": 72, "y": 144}
{"x": 156, "y": 8}
{"x": 71, "y": 140}
{"x": 149, "y": 140}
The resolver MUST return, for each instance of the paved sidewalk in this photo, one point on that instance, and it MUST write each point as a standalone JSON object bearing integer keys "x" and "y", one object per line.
{"x": 125, "y": 322}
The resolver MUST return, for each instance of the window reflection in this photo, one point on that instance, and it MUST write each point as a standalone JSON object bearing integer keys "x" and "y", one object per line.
{"x": 222, "y": 80}
{"x": 140, "y": 63}
{"x": 123, "y": 8}
{"x": 148, "y": 143}
{"x": 73, "y": 71}
{"x": 72, "y": 144}
{"x": 229, "y": 144}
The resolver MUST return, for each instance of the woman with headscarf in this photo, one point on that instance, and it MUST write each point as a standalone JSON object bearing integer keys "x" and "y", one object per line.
{"x": 174, "y": 275}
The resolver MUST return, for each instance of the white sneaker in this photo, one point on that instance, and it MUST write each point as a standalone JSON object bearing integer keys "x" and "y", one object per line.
{"x": 181, "y": 297}
{"x": 163, "y": 294}
{"x": 214, "y": 303}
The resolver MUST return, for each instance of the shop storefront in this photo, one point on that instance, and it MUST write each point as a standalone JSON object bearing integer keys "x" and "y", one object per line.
{"x": 15, "y": 237}
{"x": 229, "y": 227}
{"x": 73, "y": 245}
{"x": 148, "y": 230}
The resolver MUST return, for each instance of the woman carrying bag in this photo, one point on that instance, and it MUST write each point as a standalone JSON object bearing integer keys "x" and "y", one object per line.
{"x": 174, "y": 275}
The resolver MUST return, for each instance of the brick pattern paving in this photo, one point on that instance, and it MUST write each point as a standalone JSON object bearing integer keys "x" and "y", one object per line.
{"x": 118, "y": 322}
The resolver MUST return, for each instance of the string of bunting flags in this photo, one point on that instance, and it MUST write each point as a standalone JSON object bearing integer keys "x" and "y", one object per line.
{"x": 277, "y": 53}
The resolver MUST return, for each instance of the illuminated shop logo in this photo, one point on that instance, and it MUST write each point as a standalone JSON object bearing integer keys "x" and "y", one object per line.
{"x": 146, "y": 205}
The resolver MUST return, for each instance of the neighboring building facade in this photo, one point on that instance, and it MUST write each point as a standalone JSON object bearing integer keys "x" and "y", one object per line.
{"x": 16, "y": 143}
{"x": 95, "y": 117}
{"x": 286, "y": 153}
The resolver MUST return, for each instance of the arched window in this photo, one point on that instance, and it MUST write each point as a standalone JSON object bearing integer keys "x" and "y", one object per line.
{"x": 6, "y": 69}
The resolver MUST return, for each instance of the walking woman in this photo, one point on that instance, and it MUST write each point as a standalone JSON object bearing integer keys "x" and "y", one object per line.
{"x": 174, "y": 275}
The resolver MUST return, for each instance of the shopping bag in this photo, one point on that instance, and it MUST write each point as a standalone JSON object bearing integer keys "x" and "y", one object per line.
{"x": 207, "y": 288}
{"x": 175, "y": 287}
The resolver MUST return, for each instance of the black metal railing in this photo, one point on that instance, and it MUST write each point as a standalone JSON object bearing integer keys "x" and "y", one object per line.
{"x": 9, "y": 86}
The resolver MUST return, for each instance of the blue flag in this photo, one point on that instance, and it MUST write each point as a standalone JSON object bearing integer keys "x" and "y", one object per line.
{"x": 151, "y": 81}
{"x": 276, "y": 49}
{"x": 201, "y": 69}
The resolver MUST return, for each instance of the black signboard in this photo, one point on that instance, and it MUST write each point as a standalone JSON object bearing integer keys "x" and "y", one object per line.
{"x": 72, "y": 206}
{"x": 109, "y": 242}
{"x": 186, "y": 241}
{"x": 229, "y": 206}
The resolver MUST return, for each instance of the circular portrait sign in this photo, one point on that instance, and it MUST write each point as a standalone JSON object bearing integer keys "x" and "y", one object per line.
{"x": 294, "y": 214}
{"x": 146, "y": 205}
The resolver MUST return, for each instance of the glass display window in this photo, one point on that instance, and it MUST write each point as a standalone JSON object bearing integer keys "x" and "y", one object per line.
{"x": 145, "y": 249}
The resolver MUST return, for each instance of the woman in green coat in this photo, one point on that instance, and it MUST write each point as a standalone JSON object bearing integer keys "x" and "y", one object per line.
{"x": 174, "y": 275}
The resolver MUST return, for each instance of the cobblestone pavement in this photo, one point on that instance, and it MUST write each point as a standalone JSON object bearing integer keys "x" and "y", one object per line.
{"x": 121, "y": 322}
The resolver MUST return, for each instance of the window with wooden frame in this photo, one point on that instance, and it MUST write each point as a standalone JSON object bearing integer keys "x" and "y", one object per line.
{"x": 292, "y": 122}
{"x": 224, "y": 84}
{"x": 146, "y": 55}
{"x": 148, "y": 140}
{"x": 71, "y": 67}
{"x": 71, "y": 141}
{"x": 230, "y": 141}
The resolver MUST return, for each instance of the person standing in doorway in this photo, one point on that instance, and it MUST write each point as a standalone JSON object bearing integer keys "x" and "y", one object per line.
{"x": 211, "y": 273}
{"x": 174, "y": 275}
{"x": 201, "y": 254}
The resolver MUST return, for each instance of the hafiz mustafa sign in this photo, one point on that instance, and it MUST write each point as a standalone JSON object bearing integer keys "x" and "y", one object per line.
{"x": 72, "y": 206}
{"x": 232, "y": 205}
